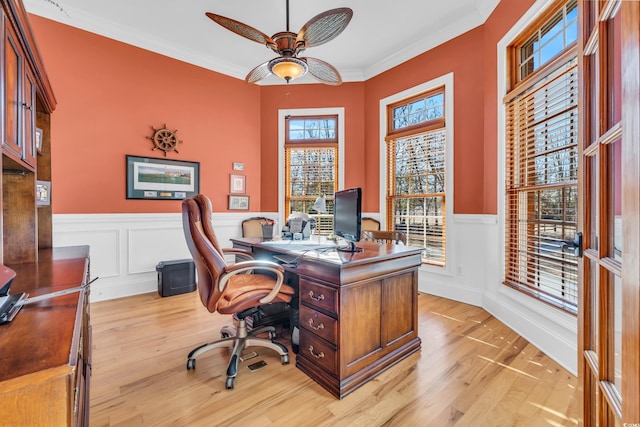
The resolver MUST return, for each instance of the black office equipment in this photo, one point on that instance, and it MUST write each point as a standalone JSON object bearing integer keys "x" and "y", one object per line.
{"x": 347, "y": 217}
{"x": 9, "y": 304}
{"x": 176, "y": 277}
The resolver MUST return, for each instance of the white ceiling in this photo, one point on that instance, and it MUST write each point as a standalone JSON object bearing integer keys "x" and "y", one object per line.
{"x": 381, "y": 34}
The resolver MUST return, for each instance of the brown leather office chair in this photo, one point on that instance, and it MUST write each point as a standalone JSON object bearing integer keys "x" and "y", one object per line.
{"x": 385, "y": 236}
{"x": 223, "y": 289}
{"x": 206, "y": 212}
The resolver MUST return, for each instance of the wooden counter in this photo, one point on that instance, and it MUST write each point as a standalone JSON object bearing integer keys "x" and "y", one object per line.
{"x": 46, "y": 349}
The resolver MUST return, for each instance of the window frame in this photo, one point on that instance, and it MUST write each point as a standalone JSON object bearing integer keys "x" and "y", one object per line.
{"x": 282, "y": 137}
{"x": 512, "y": 86}
{"x": 431, "y": 86}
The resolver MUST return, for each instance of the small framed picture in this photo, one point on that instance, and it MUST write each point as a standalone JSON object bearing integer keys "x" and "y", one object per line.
{"x": 43, "y": 193}
{"x": 238, "y": 184}
{"x": 238, "y": 202}
{"x": 237, "y": 166}
{"x": 38, "y": 140}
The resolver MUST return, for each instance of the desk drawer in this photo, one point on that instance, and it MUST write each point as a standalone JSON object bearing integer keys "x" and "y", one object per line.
{"x": 317, "y": 351}
{"x": 319, "y": 296}
{"x": 319, "y": 324}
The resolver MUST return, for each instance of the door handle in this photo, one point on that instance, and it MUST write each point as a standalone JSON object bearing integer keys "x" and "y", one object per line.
{"x": 575, "y": 244}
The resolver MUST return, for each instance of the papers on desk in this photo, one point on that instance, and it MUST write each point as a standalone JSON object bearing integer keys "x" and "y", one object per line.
{"x": 300, "y": 245}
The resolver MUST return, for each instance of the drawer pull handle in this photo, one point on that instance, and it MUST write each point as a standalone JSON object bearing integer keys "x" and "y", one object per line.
{"x": 318, "y": 298}
{"x": 317, "y": 356}
{"x": 317, "y": 328}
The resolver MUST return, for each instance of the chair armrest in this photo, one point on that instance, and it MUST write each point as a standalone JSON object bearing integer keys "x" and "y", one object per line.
{"x": 243, "y": 254}
{"x": 244, "y": 266}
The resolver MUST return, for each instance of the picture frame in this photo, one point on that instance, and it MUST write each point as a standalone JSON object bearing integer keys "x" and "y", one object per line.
{"x": 161, "y": 179}
{"x": 237, "y": 184}
{"x": 43, "y": 193}
{"x": 38, "y": 137}
{"x": 238, "y": 166}
{"x": 238, "y": 202}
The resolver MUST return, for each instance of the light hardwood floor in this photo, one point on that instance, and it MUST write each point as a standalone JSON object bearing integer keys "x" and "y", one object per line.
{"x": 472, "y": 371}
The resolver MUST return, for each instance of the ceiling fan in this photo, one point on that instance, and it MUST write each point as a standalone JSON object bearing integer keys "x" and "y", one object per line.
{"x": 288, "y": 66}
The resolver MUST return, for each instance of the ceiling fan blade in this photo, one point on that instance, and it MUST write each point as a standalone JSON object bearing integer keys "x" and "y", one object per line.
{"x": 323, "y": 71}
{"x": 258, "y": 73}
{"x": 242, "y": 29}
{"x": 325, "y": 27}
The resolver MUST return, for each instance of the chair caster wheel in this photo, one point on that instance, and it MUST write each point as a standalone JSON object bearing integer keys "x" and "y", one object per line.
{"x": 285, "y": 359}
{"x": 191, "y": 364}
{"x": 230, "y": 383}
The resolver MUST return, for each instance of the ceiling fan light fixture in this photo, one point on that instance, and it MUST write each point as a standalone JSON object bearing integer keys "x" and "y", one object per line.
{"x": 288, "y": 68}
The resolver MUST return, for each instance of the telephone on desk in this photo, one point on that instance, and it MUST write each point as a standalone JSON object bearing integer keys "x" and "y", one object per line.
{"x": 9, "y": 304}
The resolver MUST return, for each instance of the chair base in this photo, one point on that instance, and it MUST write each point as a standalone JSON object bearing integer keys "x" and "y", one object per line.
{"x": 238, "y": 340}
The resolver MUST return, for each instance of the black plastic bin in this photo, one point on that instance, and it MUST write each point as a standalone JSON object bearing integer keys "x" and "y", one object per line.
{"x": 176, "y": 277}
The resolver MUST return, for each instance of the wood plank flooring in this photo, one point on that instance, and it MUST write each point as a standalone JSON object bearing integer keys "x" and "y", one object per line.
{"x": 472, "y": 371}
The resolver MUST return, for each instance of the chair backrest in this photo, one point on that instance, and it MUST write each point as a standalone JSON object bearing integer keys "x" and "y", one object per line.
{"x": 206, "y": 214}
{"x": 208, "y": 260}
{"x": 252, "y": 227}
{"x": 385, "y": 236}
{"x": 369, "y": 223}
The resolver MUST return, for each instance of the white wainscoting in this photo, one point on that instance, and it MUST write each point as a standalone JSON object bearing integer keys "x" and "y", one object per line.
{"x": 125, "y": 249}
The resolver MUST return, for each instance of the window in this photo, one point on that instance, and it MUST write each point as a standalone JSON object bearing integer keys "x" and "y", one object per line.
{"x": 311, "y": 166}
{"x": 416, "y": 172}
{"x": 541, "y": 193}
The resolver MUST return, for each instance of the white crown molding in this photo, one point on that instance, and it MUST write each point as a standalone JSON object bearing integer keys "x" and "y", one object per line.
{"x": 116, "y": 31}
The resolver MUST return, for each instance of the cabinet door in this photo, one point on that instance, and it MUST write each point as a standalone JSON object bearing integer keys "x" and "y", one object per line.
{"x": 13, "y": 71}
{"x": 29, "y": 116}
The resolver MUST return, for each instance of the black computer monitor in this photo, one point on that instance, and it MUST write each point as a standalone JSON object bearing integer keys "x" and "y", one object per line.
{"x": 347, "y": 217}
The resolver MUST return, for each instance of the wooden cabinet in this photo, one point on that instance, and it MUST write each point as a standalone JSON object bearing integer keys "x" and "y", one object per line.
{"x": 27, "y": 102}
{"x": 358, "y": 312}
{"x": 20, "y": 103}
{"x": 359, "y": 319}
{"x": 12, "y": 143}
{"x": 46, "y": 349}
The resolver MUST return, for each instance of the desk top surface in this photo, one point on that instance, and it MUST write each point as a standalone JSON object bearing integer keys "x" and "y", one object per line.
{"x": 43, "y": 335}
{"x": 324, "y": 250}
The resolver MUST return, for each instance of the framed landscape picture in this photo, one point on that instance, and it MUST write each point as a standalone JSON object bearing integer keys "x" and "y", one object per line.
{"x": 161, "y": 179}
{"x": 238, "y": 202}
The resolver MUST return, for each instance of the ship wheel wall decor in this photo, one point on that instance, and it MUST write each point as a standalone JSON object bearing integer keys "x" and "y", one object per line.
{"x": 164, "y": 139}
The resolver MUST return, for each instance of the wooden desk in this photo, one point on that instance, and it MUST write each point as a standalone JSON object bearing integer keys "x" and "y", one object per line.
{"x": 46, "y": 358}
{"x": 358, "y": 312}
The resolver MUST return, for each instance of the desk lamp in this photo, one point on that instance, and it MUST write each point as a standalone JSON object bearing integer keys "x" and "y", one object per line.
{"x": 320, "y": 206}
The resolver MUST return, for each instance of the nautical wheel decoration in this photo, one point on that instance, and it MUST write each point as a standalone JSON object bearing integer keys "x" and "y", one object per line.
{"x": 164, "y": 139}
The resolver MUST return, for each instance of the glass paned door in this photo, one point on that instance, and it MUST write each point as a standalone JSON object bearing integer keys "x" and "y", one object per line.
{"x": 609, "y": 307}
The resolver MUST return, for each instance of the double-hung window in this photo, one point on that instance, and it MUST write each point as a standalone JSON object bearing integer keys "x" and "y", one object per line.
{"x": 541, "y": 168}
{"x": 311, "y": 166}
{"x": 416, "y": 199}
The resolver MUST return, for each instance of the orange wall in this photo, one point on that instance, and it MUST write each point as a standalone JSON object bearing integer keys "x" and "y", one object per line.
{"x": 499, "y": 23}
{"x": 461, "y": 56}
{"x": 110, "y": 94}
